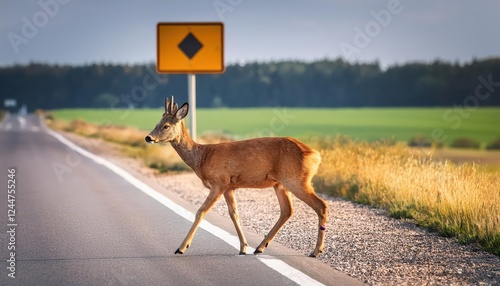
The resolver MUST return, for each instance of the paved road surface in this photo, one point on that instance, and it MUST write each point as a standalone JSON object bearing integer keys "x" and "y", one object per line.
{"x": 89, "y": 226}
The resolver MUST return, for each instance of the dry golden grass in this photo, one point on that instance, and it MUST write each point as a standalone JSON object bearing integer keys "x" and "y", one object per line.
{"x": 123, "y": 135}
{"x": 57, "y": 124}
{"x": 215, "y": 137}
{"x": 164, "y": 158}
{"x": 455, "y": 200}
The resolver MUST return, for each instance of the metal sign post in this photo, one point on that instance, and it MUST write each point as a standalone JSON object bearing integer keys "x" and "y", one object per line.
{"x": 192, "y": 104}
{"x": 190, "y": 47}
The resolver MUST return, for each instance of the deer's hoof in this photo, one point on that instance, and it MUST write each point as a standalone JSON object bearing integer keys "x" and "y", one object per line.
{"x": 257, "y": 251}
{"x": 314, "y": 254}
{"x": 243, "y": 253}
{"x": 178, "y": 251}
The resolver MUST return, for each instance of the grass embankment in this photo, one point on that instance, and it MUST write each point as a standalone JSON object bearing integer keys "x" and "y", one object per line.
{"x": 460, "y": 201}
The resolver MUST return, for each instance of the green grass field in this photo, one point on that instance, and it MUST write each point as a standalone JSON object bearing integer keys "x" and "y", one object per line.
{"x": 369, "y": 124}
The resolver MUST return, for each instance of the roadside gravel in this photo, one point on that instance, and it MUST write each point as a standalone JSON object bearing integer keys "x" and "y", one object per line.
{"x": 361, "y": 241}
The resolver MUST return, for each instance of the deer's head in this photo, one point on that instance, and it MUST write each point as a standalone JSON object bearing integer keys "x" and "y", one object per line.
{"x": 169, "y": 127}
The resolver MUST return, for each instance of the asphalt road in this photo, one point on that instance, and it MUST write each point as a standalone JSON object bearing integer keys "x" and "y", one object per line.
{"x": 76, "y": 222}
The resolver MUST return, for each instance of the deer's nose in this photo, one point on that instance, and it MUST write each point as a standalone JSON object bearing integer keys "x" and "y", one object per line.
{"x": 149, "y": 139}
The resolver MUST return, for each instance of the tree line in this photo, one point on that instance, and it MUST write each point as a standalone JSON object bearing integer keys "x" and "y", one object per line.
{"x": 322, "y": 83}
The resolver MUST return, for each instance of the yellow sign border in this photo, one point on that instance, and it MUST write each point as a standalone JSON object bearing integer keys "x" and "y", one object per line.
{"x": 184, "y": 66}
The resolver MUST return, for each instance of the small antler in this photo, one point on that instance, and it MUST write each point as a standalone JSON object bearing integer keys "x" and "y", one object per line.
{"x": 174, "y": 107}
{"x": 166, "y": 106}
{"x": 170, "y": 106}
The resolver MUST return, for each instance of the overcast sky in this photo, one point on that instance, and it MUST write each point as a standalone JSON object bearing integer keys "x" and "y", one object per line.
{"x": 119, "y": 31}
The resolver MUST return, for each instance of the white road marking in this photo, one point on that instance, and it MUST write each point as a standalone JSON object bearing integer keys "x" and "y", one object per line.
{"x": 22, "y": 122}
{"x": 289, "y": 272}
{"x": 281, "y": 267}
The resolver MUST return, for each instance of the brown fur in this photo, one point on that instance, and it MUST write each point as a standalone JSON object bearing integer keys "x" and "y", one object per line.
{"x": 285, "y": 164}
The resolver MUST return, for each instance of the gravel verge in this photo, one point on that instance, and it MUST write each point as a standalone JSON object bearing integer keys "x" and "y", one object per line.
{"x": 361, "y": 241}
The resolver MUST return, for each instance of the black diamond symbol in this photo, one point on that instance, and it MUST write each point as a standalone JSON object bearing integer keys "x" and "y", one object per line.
{"x": 190, "y": 45}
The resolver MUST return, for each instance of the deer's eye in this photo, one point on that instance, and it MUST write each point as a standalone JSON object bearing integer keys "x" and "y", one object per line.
{"x": 165, "y": 127}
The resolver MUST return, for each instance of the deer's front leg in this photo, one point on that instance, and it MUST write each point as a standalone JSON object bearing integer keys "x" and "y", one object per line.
{"x": 212, "y": 198}
{"x": 233, "y": 213}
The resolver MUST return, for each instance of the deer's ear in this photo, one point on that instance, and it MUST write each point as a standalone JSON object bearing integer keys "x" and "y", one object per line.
{"x": 182, "y": 111}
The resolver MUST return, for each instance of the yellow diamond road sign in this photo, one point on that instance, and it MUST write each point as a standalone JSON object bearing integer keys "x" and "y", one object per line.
{"x": 190, "y": 47}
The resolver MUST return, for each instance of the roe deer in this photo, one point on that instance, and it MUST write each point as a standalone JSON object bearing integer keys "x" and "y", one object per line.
{"x": 286, "y": 164}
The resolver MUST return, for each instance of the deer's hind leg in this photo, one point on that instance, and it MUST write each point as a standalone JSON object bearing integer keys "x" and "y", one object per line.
{"x": 233, "y": 213}
{"x": 285, "y": 202}
{"x": 305, "y": 192}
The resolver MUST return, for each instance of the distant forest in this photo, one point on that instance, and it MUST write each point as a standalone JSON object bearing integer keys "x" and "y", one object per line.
{"x": 323, "y": 83}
